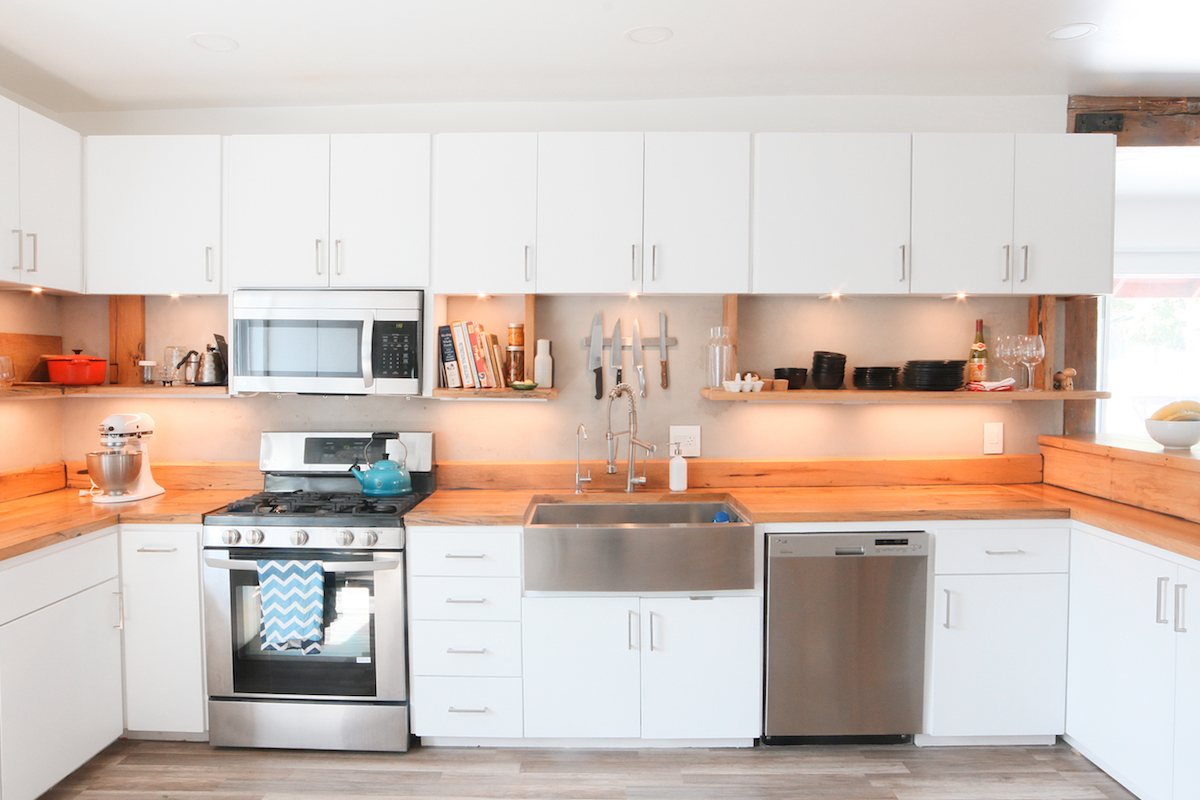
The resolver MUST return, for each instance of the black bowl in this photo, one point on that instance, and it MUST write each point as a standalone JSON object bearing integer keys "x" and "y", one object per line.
{"x": 795, "y": 376}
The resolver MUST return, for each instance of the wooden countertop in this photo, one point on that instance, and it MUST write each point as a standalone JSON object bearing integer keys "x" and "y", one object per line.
{"x": 45, "y": 519}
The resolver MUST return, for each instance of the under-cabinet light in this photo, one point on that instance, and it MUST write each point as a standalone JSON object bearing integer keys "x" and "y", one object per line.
{"x": 36, "y": 289}
{"x": 959, "y": 296}
{"x": 831, "y": 296}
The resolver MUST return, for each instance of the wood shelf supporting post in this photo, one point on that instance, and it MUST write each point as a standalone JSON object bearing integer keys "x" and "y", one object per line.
{"x": 126, "y": 338}
{"x": 1082, "y": 352}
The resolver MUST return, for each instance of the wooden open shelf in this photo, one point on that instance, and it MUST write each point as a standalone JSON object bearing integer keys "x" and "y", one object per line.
{"x": 495, "y": 394}
{"x": 850, "y": 396}
{"x": 36, "y": 390}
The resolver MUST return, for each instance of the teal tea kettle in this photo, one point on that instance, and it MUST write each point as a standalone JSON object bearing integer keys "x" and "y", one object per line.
{"x": 384, "y": 478}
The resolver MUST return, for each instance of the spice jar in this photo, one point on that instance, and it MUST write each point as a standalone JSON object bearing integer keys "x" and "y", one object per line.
{"x": 149, "y": 373}
{"x": 516, "y": 334}
{"x": 516, "y": 363}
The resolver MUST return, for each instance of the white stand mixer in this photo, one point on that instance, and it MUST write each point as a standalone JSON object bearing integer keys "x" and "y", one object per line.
{"x": 121, "y": 435}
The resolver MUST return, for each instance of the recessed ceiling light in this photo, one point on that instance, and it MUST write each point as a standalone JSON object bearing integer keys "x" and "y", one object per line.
{"x": 213, "y": 41}
{"x": 650, "y": 34}
{"x": 1076, "y": 30}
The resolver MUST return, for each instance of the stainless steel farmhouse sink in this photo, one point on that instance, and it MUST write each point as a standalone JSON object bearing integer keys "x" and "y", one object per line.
{"x": 649, "y": 544}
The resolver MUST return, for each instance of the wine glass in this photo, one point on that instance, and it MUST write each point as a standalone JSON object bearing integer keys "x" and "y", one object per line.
{"x": 1005, "y": 349}
{"x": 1031, "y": 350}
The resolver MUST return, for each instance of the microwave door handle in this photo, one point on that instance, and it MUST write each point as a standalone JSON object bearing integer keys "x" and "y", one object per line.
{"x": 368, "y": 337}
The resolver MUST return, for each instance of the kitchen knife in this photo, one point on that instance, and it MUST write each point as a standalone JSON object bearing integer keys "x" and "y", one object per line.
{"x": 618, "y": 355}
{"x": 638, "y": 363}
{"x": 596, "y": 352}
{"x": 662, "y": 346}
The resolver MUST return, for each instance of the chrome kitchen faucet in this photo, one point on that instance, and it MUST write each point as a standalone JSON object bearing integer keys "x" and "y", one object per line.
{"x": 631, "y": 479}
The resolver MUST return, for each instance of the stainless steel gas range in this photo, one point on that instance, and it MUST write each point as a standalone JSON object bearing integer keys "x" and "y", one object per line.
{"x": 341, "y": 684}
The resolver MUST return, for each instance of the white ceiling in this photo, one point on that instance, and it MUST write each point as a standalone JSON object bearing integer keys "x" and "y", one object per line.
{"x": 92, "y": 55}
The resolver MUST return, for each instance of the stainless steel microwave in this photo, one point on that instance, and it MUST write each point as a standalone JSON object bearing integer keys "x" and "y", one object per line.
{"x": 326, "y": 342}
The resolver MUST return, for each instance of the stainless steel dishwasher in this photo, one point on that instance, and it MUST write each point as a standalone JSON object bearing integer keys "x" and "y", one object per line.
{"x": 845, "y": 636}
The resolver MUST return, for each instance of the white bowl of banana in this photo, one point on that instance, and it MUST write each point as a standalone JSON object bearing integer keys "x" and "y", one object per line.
{"x": 1176, "y": 425}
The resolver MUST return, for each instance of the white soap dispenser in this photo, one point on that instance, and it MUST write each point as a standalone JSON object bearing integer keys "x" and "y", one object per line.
{"x": 677, "y": 470}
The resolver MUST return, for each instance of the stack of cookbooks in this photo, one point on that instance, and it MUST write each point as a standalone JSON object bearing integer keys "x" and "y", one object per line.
{"x": 471, "y": 358}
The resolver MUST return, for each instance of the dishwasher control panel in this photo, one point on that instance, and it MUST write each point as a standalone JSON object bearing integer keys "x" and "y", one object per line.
{"x": 820, "y": 545}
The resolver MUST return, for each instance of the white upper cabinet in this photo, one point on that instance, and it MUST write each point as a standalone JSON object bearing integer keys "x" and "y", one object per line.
{"x": 485, "y": 209}
{"x": 153, "y": 214}
{"x": 589, "y": 213}
{"x": 316, "y": 211}
{"x": 962, "y": 212}
{"x": 697, "y": 213}
{"x": 831, "y": 213}
{"x": 40, "y": 185}
{"x": 1063, "y": 214}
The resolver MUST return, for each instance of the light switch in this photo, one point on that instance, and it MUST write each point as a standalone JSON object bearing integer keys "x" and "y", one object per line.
{"x": 993, "y": 438}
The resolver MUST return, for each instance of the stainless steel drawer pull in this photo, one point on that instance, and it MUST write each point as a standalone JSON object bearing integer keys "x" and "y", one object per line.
{"x": 946, "y": 624}
{"x": 476, "y": 600}
{"x": 478, "y": 652}
{"x": 1005, "y": 552}
{"x": 1180, "y": 621}
{"x": 454, "y": 710}
{"x": 466, "y": 555}
{"x": 157, "y": 549}
{"x": 1159, "y": 617}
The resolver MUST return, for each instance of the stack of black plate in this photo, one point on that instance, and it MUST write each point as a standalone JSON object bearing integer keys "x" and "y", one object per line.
{"x": 876, "y": 378}
{"x": 934, "y": 376}
{"x": 829, "y": 370}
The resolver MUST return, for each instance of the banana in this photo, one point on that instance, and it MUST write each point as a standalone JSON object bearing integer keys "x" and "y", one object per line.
{"x": 1185, "y": 416}
{"x": 1179, "y": 406}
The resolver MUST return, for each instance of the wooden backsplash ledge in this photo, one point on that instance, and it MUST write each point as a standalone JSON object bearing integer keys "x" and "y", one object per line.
{"x": 20, "y": 483}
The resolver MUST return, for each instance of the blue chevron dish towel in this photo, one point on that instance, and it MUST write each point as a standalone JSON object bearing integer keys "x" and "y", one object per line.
{"x": 293, "y": 605}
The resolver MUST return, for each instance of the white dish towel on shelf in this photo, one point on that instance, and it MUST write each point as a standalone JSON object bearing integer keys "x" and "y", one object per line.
{"x": 293, "y": 605}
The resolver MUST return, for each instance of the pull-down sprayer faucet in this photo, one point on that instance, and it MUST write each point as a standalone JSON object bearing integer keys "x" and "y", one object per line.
{"x": 631, "y": 479}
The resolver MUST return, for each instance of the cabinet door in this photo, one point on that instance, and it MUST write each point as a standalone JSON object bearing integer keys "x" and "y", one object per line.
{"x": 696, "y": 225}
{"x": 1187, "y": 687}
{"x": 999, "y": 655}
{"x": 701, "y": 668}
{"x": 164, "y": 658}
{"x": 60, "y": 689}
{"x": 279, "y": 211}
{"x": 580, "y": 666}
{"x": 10, "y": 190}
{"x": 589, "y": 212}
{"x": 1121, "y": 663}
{"x": 153, "y": 214}
{"x": 831, "y": 213}
{"x": 1063, "y": 214}
{"x": 51, "y": 184}
{"x": 962, "y": 213}
{"x": 379, "y": 210}
{"x": 485, "y": 207}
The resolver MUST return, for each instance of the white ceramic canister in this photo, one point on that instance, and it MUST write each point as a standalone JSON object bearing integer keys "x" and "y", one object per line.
{"x": 543, "y": 365}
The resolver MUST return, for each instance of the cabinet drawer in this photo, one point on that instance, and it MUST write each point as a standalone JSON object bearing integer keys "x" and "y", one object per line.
{"x": 31, "y": 585}
{"x": 434, "y": 551}
{"x": 466, "y": 648}
{"x": 466, "y": 707}
{"x": 465, "y": 598}
{"x": 971, "y": 552}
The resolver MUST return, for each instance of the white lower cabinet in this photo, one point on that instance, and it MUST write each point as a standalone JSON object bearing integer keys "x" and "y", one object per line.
{"x": 1187, "y": 687}
{"x": 651, "y": 668}
{"x": 164, "y": 655}
{"x": 60, "y": 664}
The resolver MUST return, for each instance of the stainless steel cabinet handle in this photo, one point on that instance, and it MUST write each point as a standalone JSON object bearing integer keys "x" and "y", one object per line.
{"x": 454, "y": 710}
{"x": 319, "y": 271}
{"x": 208, "y": 272}
{"x": 466, "y": 555}
{"x": 157, "y": 549}
{"x": 1025, "y": 257}
{"x": 337, "y": 255}
{"x": 946, "y": 624}
{"x": 903, "y": 263}
{"x": 478, "y": 652}
{"x": 654, "y": 262}
{"x": 652, "y": 616}
{"x": 1158, "y": 601}
{"x": 35, "y": 256}
{"x": 1007, "y": 263}
{"x": 471, "y": 600}
{"x": 527, "y": 263}
{"x": 633, "y": 262}
{"x": 120, "y": 626}
{"x": 1005, "y": 552}
{"x": 632, "y": 619}
{"x": 20, "y": 249}
{"x": 1180, "y": 608}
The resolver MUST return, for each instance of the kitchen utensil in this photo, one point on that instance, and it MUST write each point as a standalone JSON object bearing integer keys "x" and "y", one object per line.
{"x": 828, "y": 370}
{"x": 211, "y": 369}
{"x": 384, "y": 478}
{"x": 934, "y": 376}
{"x": 149, "y": 371}
{"x": 114, "y": 471}
{"x": 795, "y": 376}
{"x": 77, "y": 370}
{"x": 122, "y": 469}
{"x": 8, "y": 374}
{"x": 617, "y": 356}
{"x": 172, "y": 356}
{"x": 876, "y": 378}
{"x": 596, "y": 352}
{"x": 662, "y": 346}
{"x": 185, "y": 368}
{"x": 638, "y": 363}
{"x": 1174, "y": 434}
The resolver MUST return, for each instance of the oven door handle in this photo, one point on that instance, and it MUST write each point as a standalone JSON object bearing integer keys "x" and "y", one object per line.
{"x": 330, "y": 566}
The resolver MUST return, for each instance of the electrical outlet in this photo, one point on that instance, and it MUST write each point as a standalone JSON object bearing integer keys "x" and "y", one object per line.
{"x": 993, "y": 438}
{"x": 688, "y": 437}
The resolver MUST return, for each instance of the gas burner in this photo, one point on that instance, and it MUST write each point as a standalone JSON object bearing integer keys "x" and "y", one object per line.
{"x": 331, "y": 508}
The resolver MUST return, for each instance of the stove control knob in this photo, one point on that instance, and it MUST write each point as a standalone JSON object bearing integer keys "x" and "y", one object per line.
{"x": 369, "y": 538}
{"x": 345, "y": 538}
{"x": 254, "y": 536}
{"x": 299, "y": 537}
{"x": 230, "y": 536}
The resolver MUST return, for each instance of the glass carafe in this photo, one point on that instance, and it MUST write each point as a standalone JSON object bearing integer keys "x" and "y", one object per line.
{"x": 720, "y": 358}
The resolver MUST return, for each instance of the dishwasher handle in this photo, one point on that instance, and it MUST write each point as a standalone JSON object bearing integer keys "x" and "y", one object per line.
{"x": 861, "y": 550}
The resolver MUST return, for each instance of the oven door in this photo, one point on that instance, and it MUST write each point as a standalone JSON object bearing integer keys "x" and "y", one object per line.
{"x": 305, "y": 350}
{"x": 362, "y": 657}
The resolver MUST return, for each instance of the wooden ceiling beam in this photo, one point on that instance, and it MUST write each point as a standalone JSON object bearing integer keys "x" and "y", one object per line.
{"x": 1142, "y": 121}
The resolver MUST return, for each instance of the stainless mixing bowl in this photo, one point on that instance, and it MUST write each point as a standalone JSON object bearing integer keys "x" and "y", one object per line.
{"x": 114, "y": 471}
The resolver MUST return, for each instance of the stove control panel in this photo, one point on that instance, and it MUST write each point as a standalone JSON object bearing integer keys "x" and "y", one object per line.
{"x": 309, "y": 538}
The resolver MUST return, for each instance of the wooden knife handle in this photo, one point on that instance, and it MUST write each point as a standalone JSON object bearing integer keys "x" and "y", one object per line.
{"x": 663, "y": 365}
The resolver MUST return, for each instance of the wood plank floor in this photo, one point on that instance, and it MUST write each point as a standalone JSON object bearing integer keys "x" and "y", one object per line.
{"x": 132, "y": 770}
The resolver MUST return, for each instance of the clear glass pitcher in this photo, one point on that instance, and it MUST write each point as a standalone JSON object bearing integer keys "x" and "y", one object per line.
{"x": 720, "y": 358}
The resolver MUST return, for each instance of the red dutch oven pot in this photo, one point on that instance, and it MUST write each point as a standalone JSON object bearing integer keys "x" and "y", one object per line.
{"x": 77, "y": 370}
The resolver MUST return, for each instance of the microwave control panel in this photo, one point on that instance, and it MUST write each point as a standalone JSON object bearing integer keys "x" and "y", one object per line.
{"x": 396, "y": 348}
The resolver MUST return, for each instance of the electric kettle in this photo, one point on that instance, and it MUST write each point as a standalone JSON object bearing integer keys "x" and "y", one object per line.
{"x": 211, "y": 370}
